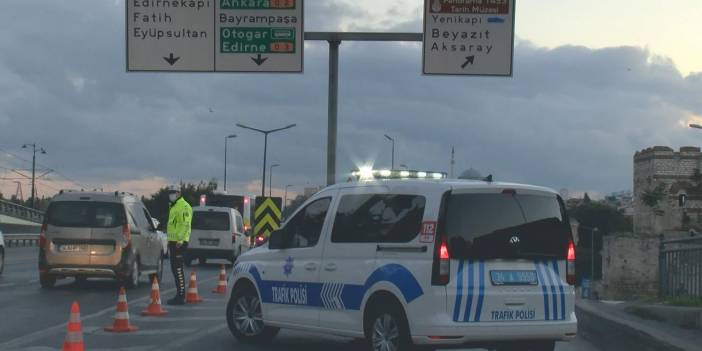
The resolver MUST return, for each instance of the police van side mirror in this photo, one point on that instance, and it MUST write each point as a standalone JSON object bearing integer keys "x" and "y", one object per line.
{"x": 277, "y": 240}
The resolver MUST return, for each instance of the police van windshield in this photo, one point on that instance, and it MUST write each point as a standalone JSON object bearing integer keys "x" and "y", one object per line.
{"x": 506, "y": 225}
{"x": 83, "y": 214}
{"x": 210, "y": 220}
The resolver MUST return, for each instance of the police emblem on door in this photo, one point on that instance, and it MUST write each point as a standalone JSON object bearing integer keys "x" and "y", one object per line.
{"x": 514, "y": 241}
{"x": 288, "y": 267}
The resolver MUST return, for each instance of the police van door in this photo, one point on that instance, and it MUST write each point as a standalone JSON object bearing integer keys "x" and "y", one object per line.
{"x": 291, "y": 275}
{"x": 364, "y": 221}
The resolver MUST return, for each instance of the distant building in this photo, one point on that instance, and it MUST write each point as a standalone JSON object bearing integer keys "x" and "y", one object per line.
{"x": 472, "y": 174}
{"x": 662, "y": 178}
{"x": 622, "y": 201}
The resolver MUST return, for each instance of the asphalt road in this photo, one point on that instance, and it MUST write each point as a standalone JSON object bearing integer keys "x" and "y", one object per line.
{"x": 35, "y": 319}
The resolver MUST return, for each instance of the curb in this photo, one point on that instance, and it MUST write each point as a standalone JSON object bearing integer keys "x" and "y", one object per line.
{"x": 612, "y": 333}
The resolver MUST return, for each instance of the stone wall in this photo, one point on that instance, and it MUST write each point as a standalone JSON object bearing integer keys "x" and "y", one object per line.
{"x": 674, "y": 173}
{"x": 629, "y": 267}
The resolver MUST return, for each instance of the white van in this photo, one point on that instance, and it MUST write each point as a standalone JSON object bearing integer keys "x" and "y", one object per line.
{"x": 402, "y": 262}
{"x": 217, "y": 232}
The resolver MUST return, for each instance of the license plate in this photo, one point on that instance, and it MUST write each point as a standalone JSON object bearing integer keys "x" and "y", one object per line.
{"x": 70, "y": 248}
{"x": 206, "y": 242}
{"x": 514, "y": 278}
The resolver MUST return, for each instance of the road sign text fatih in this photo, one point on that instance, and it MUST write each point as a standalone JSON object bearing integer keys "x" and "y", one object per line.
{"x": 215, "y": 35}
{"x": 468, "y": 37}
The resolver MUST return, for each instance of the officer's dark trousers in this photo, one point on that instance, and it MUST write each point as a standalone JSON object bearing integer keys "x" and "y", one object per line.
{"x": 177, "y": 268}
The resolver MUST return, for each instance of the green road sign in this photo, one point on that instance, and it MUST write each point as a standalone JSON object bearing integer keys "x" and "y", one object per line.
{"x": 258, "y": 4}
{"x": 253, "y": 40}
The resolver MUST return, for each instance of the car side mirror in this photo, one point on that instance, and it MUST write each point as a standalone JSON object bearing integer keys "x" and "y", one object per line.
{"x": 277, "y": 240}
{"x": 155, "y": 222}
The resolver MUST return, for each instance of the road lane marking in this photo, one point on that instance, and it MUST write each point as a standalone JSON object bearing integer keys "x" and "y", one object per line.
{"x": 101, "y": 331}
{"x": 177, "y": 319}
{"x": 41, "y": 334}
{"x": 179, "y": 343}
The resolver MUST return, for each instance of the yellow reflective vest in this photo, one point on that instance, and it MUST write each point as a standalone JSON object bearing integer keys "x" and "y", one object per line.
{"x": 179, "y": 218}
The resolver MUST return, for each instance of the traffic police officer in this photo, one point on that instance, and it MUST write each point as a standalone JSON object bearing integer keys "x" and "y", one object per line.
{"x": 179, "y": 218}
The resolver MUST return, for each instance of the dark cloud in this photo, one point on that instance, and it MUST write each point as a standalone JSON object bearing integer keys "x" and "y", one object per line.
{"x": 570, "y": 117}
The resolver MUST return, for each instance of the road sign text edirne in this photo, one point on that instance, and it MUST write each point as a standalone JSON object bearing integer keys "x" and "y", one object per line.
{"x": 469, "y": 37}
{"x": 215, "y": 35}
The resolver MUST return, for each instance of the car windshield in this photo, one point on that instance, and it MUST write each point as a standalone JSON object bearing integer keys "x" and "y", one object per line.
{"x": 210, "y": 220}
{"x": 487, "y": 223}
{"x": 82, "y": 214}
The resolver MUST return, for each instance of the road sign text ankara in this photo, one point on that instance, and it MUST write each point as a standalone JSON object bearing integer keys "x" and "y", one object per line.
{"x": 469, "y": 37}
{"x": 215, "y": 35}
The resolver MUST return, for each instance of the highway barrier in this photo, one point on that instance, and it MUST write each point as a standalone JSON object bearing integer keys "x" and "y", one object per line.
{"x": 21, "y": 240}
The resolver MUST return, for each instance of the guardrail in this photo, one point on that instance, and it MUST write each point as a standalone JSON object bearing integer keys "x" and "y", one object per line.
{"x": 23, "y": 240}
{"x": 14, "y": 210}
{"x": 680, "y": 263}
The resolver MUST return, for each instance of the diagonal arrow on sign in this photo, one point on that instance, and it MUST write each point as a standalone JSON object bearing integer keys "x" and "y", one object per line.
{"x": 469, "y": 60}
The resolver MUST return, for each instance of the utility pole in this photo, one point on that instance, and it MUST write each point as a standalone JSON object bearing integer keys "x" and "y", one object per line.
{"x": 592, "y": 256}
{"x": 453, "y": 159}
{"x": 392, "y": 163}
{"x": 34, "y": 168}
{"x": 265, "y": 149}
{"x": 225, "y": 159}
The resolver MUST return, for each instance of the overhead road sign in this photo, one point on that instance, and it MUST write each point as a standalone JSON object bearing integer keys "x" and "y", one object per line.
{"x": 215, "y": 35}
{"x": 469, "y": 37}
{"x": 267, "y": 215}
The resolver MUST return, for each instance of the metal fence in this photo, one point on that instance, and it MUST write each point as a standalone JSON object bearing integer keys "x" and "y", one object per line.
{"x": 681, "y": 268}
{"x": 21, "y": 240}
{"x": 18, "y": 211}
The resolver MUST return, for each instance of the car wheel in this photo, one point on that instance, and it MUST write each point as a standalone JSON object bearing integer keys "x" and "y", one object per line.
{"x": 81, "y": 280}
{"x": 388, "y": 330}
{"x": 202, "y": 261}
{"x": 245, "y": 319}
{"x": 132, "y": 280}
{"x": 2, "y": 259}
{"x": 47, "y": 281}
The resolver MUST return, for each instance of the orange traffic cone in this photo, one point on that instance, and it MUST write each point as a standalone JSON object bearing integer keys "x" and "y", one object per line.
{"x": 154, "y": 308}
{"x": 222, "y": 284}
{"x": 121, "y": 324}
{"x": 74, "y": 331}
{"x": 192, "y": 296}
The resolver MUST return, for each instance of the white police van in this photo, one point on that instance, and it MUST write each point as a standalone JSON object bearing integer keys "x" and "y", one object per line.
{"x": 415, "y": 262}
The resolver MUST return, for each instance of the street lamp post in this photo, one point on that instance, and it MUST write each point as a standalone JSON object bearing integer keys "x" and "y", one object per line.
{"x": 696, "y": 126}
{"x": 265, "y": 149}
{"x": 226, "y": 139}
{"x": 270, "y": 180}
{"x": 392, "y": 164}
{"x": 592, "y": 253}
{"x": 34, "y": 166}
{"x": 285, "y": 198}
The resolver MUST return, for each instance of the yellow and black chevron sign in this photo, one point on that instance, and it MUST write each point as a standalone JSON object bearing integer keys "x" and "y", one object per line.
{"x": 267, "y": 215}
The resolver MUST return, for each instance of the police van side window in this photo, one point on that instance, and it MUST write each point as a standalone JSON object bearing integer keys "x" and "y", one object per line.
{"x": 378, "y": 218}
{"x": 305, "y": 228}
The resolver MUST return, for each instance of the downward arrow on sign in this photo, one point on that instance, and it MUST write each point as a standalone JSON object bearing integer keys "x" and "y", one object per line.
{"x": 259, "y": 61}
{"x": 171, "y": 60}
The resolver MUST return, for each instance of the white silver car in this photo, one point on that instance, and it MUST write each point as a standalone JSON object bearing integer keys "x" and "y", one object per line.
{"x": 217, "y": 233}
{"x": 2, "y": 252}
{"x": 428, "y": 262}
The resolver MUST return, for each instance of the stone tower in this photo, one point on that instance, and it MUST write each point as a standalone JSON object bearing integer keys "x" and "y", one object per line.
{"x": 661, "y": 176}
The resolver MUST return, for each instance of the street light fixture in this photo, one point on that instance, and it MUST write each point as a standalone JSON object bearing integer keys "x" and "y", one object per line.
{"x": 226, "y": 139}
{"x": 696, "y": 126}
{"x": 265, "y": 149}
{"x": 392, "y": 165}
{"x": 270, "y": 180}
{"x": 34, "y": 166}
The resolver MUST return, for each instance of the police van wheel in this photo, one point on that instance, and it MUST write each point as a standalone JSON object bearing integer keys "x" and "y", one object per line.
{"x": 388, "y": 330}
{"x": 245, "y": 319}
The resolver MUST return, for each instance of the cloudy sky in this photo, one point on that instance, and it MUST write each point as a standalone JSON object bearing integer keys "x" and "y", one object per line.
{"x": 594, "y": 81}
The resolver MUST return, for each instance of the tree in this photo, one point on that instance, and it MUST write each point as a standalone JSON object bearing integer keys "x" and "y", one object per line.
{"x": 586, "y": 199}
{"x": 603, "y": 217}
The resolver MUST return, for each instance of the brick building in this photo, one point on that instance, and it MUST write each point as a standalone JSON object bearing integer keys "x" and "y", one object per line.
{"x": 662, "y": 176}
